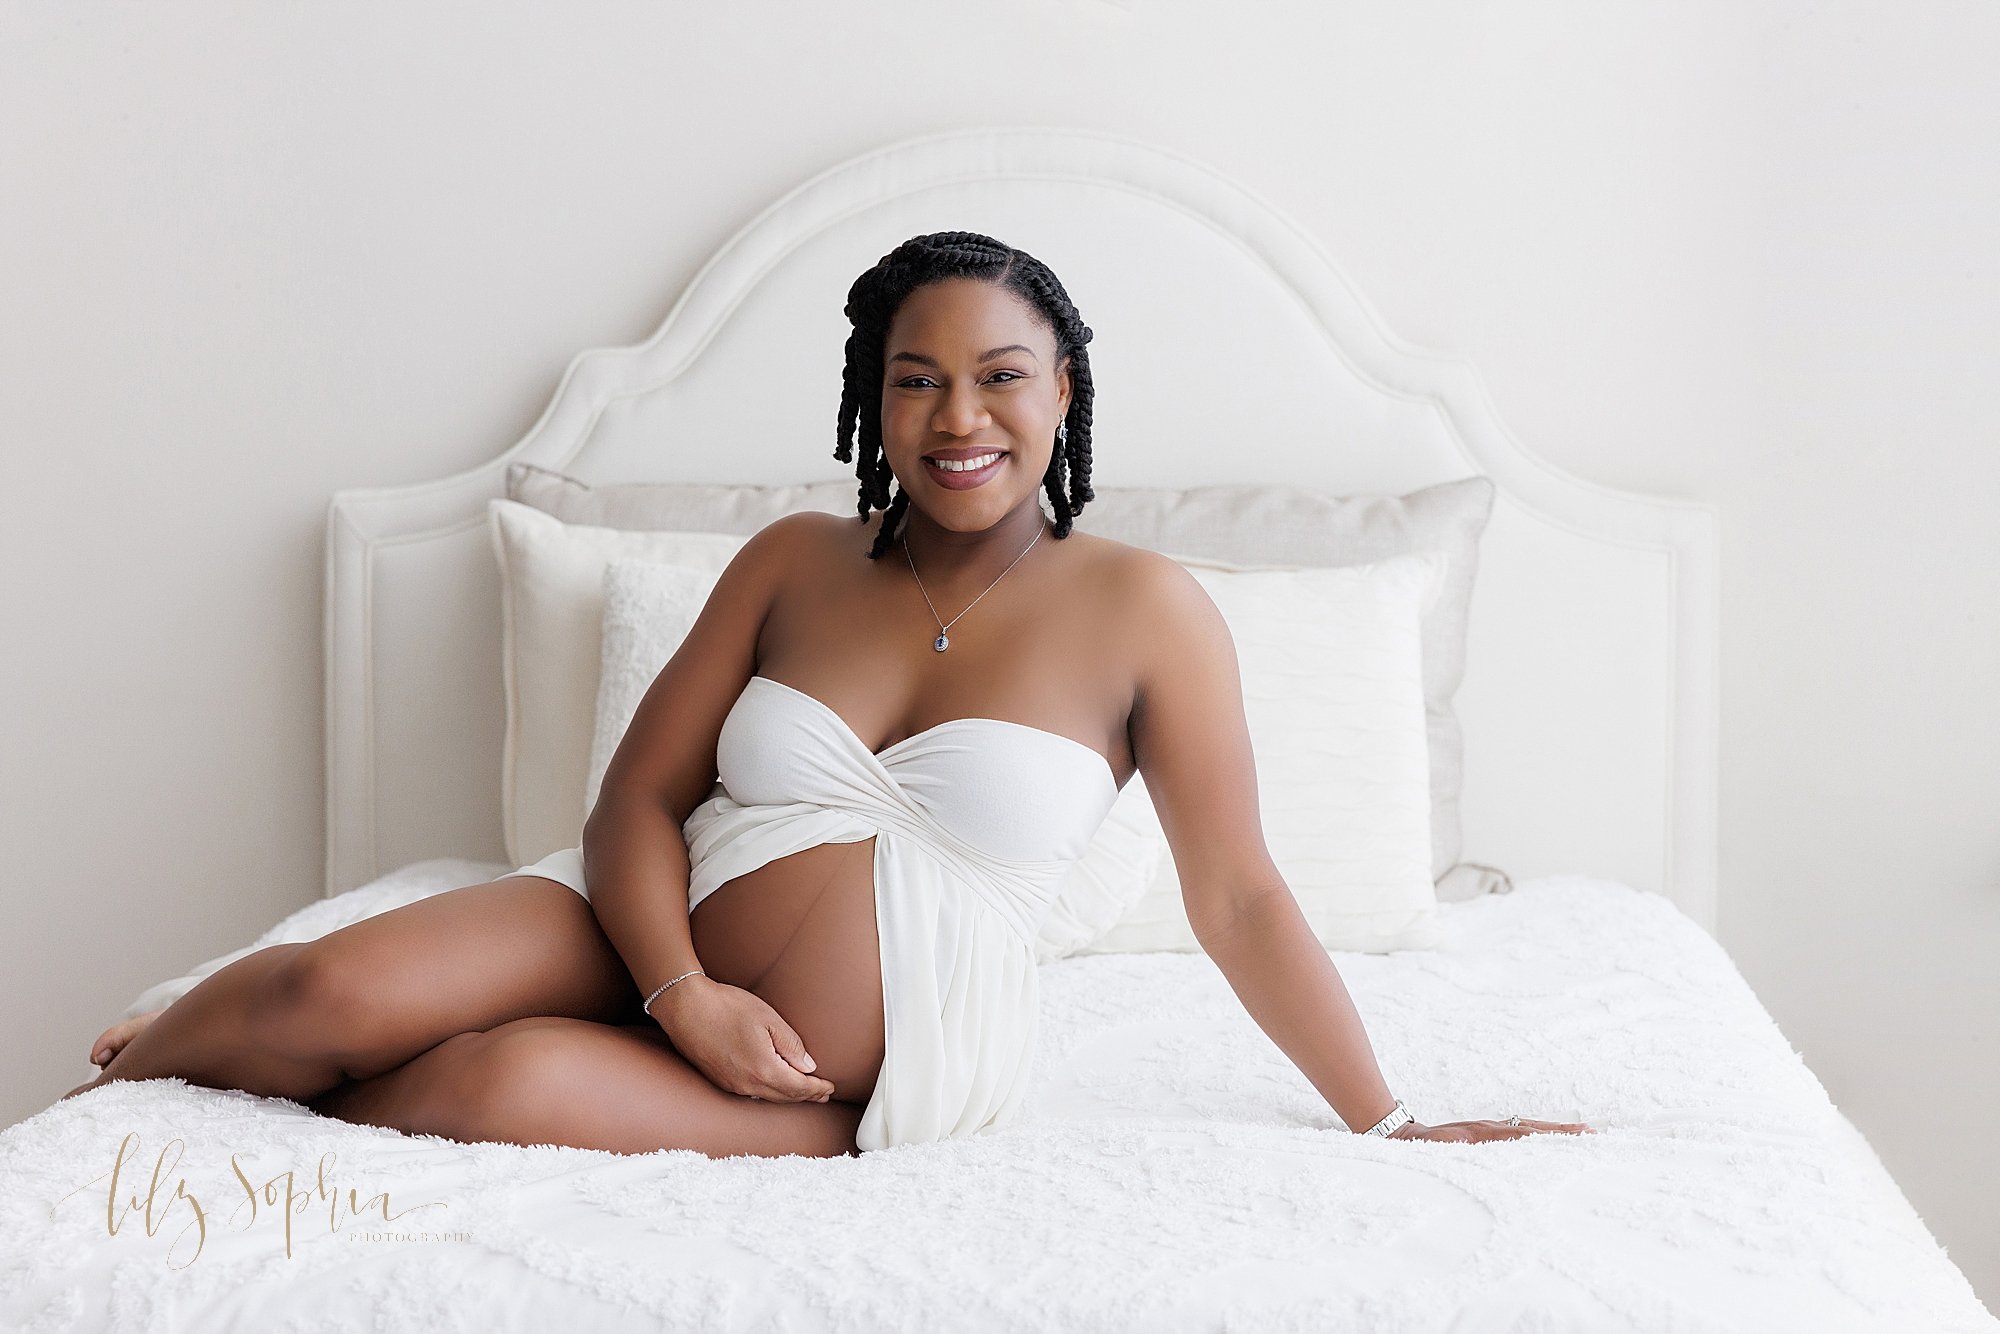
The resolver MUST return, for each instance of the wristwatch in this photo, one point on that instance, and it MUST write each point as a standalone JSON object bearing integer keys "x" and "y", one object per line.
{"x": 1398, "y": 1117}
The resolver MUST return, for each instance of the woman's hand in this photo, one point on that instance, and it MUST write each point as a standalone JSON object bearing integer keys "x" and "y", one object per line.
{"x": 743, "y": 1045}
{"x": 1471, "y": 1132}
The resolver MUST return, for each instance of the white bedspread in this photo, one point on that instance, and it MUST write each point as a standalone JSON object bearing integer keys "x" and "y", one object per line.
{"x": 1172, "y": 1171}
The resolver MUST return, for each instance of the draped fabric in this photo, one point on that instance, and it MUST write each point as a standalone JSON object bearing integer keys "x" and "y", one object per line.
{"x": 976, "y": 823}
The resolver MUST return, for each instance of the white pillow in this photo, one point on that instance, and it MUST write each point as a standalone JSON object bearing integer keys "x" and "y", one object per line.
{"x": 649, "y": 607}
{"x": 1333, "y": 692}
{"x": 552, "y": 598}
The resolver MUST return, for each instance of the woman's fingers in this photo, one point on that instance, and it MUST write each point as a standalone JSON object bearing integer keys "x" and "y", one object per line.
{"x": 788, "y": 1080}
{"x": 777, "y": 1081}
{"x": 1474, "y": 1132}
{"x": 1527, "y": 1127}
{"x": 784, "y": 1084}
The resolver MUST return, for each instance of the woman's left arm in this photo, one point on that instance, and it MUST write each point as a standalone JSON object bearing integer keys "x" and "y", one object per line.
{"x": 1192, "y": 744}
{"x": 1287, "y": 982}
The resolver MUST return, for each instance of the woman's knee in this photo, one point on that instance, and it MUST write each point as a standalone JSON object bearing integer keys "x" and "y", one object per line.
{"x": 519, "y": 1073}
{"x": 314, "y": 1001}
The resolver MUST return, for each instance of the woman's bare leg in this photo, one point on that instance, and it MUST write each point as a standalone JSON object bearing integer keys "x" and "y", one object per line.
{"x": 297, "y": 1020}
{"x": 588, "y": 1085}
{"x": 803, "y": 938}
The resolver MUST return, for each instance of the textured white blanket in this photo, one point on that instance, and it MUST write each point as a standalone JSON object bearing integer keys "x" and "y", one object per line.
{"x": 1172, "y": 1171}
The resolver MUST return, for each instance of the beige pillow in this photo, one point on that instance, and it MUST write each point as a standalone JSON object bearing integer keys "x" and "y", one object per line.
{"x": 690, "y": 507}
{"x": 649, "y": 607}
{"x": 1240, "y": 525}
{"x": 1332, "y": 668}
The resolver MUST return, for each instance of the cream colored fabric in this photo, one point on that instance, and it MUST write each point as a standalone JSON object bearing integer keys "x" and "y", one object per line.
{"x": 649, "y": 607}
{"x": 1332, "y": 668}
{"x": 695, "y": 507}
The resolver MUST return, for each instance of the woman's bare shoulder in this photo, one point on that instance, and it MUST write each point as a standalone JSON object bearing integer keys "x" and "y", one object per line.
{"x": 1159, "y": 602}
{"x": 823, "y": 526}
{"x": 801, "y": 524}
{"x": 1110, "y": 559}
{"x": 803, "y": 539}
{"x": 1155, "y": 580}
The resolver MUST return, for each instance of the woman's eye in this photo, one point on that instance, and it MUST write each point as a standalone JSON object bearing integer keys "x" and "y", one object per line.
{"x": 914, "y": 381}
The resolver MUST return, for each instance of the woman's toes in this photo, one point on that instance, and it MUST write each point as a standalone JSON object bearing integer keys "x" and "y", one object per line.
{"x": 113, "y": 1039}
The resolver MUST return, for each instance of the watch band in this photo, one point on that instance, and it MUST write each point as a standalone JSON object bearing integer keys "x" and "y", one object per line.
{"x": 1398, "y": 1117}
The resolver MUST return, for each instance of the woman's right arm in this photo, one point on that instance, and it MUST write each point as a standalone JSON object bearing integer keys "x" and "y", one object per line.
{"x": 634, "y": 851}
{"x": 635, "y": 861}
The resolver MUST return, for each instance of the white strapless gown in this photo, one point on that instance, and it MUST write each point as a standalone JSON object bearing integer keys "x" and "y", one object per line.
{"x": 976, "y": 822}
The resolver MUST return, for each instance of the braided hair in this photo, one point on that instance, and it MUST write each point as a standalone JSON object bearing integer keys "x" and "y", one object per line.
{"x": 873, "y": 302}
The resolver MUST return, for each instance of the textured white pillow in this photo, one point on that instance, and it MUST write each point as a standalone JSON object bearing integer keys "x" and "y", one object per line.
{"x": 552, "y": 600}
{"x": 649, "y": 607}
{"x": 1333, "y": 692}
{"x": 648, "y": 610}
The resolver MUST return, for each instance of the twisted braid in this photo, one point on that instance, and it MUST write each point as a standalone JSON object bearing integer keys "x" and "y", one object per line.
{"x": 872, "y": 302}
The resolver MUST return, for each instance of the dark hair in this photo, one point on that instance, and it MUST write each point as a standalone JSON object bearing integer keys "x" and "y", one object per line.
{"x": 874, "y": 300}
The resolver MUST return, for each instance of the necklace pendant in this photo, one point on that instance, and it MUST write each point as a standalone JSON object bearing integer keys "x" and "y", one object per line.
{"x": 941, "y": 643}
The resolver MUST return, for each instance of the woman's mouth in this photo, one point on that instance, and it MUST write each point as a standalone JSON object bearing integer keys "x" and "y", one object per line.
{"x": 964, "y": 474}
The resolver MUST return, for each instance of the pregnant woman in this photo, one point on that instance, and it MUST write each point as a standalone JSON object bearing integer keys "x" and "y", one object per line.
{"x": 802, "y": 916}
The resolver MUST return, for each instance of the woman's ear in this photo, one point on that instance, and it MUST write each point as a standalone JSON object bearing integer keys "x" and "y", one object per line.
{"x": 1062, "y": 388}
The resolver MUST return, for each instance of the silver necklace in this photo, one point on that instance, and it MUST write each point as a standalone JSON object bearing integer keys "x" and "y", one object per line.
{"x": 943, "y": 641}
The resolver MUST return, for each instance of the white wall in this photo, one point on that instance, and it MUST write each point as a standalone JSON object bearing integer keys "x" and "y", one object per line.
{"x": 249, "y": 255}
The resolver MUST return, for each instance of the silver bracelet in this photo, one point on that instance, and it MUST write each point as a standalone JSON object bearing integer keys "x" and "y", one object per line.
{"x": 647, "y": 1005}
{"x": 1398, "y": 1116}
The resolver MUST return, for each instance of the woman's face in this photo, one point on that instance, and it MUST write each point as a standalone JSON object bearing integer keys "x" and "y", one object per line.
{"x": 967, "y": 372}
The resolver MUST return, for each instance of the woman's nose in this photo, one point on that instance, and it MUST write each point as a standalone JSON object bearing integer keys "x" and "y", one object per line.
{"x": 960, "y": 412}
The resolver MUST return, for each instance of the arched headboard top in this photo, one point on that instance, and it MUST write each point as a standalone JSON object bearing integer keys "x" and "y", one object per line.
{"x": 1228, "y": 349}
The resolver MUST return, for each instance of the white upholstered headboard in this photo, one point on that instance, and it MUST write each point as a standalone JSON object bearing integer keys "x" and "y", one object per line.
{"x": 1228, "y": 349}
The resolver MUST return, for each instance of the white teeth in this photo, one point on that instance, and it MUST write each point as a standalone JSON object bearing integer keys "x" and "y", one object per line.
{"x": 966, "y": 465}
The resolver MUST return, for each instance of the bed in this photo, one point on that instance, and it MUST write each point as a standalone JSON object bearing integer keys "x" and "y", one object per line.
{"x": 1171, "y": 1170}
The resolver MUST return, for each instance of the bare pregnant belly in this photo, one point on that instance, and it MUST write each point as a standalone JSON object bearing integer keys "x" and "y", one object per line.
{"x": 800, "y": 933}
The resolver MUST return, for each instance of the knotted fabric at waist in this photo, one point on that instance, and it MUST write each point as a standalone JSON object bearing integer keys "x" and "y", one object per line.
{"x": 727, "y": 839}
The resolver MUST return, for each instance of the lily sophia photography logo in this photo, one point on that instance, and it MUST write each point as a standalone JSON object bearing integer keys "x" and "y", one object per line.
{"x": 155, "y": 1199}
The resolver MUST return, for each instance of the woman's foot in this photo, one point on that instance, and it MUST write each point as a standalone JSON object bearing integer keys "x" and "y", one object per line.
{"x": 105, "y": 1050}
{"x": 113, "y": 1039}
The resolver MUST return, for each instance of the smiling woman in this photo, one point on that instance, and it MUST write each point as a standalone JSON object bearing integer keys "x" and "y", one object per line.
{"x": 968, "y": 347}
{"x": 803, "y": 912}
